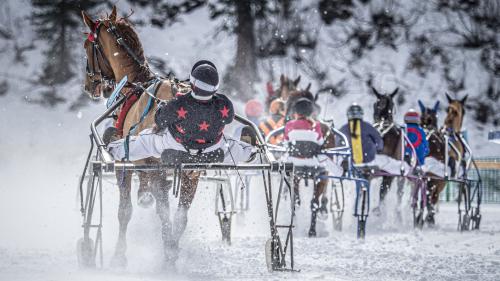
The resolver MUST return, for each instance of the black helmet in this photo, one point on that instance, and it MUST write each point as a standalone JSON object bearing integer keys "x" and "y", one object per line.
{"x": 204, "y": 79}
{"x": 303, "y": 106}
{"x": 354, "y": 112}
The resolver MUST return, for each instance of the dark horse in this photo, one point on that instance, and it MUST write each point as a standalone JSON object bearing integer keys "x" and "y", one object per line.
{"x": 437, "y": 145}
{"x": 113, "y": 50}
{"x": 383, "y": 111}
{"x": 319, "y": 201}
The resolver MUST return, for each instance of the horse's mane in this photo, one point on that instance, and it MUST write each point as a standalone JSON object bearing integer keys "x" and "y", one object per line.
{"x": 126, "y": 30}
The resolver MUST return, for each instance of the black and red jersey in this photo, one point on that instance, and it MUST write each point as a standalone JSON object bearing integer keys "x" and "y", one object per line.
{"x": 196, "y": 124}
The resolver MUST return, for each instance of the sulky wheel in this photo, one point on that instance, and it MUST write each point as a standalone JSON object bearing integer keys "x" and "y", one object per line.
{"x": 272, "y": 255}
{"x": 361, "y": 229}
{"x": 226, "y": 229}
{"x": 85, "y": 253}
{"x": 476, "y": 219}
{"x": 466, "y": 219}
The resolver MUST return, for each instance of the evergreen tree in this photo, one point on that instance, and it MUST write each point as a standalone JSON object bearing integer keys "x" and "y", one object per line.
{"x": 258, "y": 35}
{"x": 58, "y": 24}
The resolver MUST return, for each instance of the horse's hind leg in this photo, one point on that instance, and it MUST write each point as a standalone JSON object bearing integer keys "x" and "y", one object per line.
{"x": 296, "y": 182}
{"x": 434, "y": 188}
{"x": 384, "y": 189}
{"x": 319, "y": 189}
{"x": 188, "y": 189}
{"x": 145, "y": 197}
{"x": 160, "y": 188}
{"x": 400, "y": 193}
{"x": 124, "y": 216}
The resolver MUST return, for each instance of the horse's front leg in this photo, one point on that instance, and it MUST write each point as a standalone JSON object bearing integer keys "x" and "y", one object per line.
{"x": 400, "y": 192}
{"x": 319, "y": 189}
{"x": 385, "y": 186}
{"x": 124, "y": 216}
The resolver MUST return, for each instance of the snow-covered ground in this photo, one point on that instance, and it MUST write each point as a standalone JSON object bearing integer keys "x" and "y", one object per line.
{"x": 40, "y": 223}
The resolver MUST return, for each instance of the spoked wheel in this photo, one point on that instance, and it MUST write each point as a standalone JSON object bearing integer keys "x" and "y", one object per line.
{"x": 418, "y": 204}
{"x": 86, "y": 247}
{"x": 361, "y": 228}
{"x": 464, "y": 210}
{"x": 363, "y": 215}
{"x": 225, "y": 225}
{"x": 224, "y": 205}
{"x": 279, "y": 247}
{"x": 476, "y": 219}
{"x": 271, "y": 255}
{"x": 337, "y": 205}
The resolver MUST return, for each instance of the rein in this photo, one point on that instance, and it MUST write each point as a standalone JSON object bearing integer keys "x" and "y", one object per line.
{"x": 383, "y": 127}
{"x": 97, "y": 51}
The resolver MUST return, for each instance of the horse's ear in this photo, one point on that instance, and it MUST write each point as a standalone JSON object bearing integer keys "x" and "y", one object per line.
{"x": 87, "y": 20}
{"x": 422, "y": 106}
{"x": 308, "y": 87}
{"x": 296, "y": 81}
{"x": 394, "y": 93}
{"x": 375, "y": 92}
{"x": 282, "y": 79}
{"x": 436, "y": 106}
{"x": 112, "y": 16}
{"x": 464, "y": 100}
{"x": 449, "y": 98}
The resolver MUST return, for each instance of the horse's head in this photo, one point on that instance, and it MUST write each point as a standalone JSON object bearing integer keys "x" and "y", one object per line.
{"x": 383, "y": 108}
{"x": 429, "y": 116}
{"x": 455, "y": 113}
{"x": 108, "y": 48}
{"x": 287, "y": 85}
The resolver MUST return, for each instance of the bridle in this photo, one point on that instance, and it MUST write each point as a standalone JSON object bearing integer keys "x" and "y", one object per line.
{"x": 95, "y": 70}
{"x": 386, "y": 110}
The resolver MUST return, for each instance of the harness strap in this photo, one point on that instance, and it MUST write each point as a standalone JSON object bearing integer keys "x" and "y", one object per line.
{"x": 145, "y": 112}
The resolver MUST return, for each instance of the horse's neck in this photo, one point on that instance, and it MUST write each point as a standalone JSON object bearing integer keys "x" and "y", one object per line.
{"x": 124, "y": 65}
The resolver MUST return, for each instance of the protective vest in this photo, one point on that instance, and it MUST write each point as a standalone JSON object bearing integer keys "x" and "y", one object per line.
{"x": 357, "y": 147}
{"x": 270, "y": 124}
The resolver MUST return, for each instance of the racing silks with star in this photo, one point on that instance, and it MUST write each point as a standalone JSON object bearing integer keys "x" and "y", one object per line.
{"x": 194, "y": 123}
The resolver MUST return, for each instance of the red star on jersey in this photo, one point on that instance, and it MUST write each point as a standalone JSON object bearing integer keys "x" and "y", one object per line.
{"x": 225, "y": 112}
{"x": 200, "y": 140}
{"x": 178, "y": 140}
{"x": 181, "y": 113}
{"x": 180, "y": 129}
{"x": 204, "y": 126}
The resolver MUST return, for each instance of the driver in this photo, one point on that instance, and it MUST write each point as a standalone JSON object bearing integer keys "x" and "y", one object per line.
{"x": 366, "y": 143}
{"x": 193, "y": 123}
{"x": 305, "y": 139}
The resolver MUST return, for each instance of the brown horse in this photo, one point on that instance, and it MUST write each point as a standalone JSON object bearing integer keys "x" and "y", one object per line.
{"x": 320, "y": 186}
{"x": 383, "y": 112}
{"x": 452, "y": 127}
{"x": 287, "y": 85}
{"x": 113, "y": 50}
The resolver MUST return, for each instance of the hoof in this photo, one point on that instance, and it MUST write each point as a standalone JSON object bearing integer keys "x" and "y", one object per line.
{"x": 119, "y": 261}
{"x": 169, "y": 266}
{"x": 145, "y": 199}
{"x": 431, "y": 222}
{"x": 312, "y": 233}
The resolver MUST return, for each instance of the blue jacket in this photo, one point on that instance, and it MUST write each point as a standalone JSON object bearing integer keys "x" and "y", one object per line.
{"x": 418, "y": 139}
{"x": 371, "y": 140}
